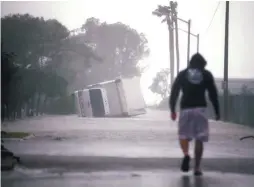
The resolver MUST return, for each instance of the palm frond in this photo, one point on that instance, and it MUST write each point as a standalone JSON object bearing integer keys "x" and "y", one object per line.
{"x": 164, "y": 20}
{"x": 157, "y": 13}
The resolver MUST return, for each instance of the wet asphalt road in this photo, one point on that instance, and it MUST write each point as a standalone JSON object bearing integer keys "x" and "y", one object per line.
{"x": 152, "y": 178}
{"x": 151, "y": 135}
{"x": 146, "y": 142}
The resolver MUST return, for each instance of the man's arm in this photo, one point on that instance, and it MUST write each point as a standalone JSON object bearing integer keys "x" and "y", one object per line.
{"x": 175, "y": 90}
{"x": 213, "y": 94}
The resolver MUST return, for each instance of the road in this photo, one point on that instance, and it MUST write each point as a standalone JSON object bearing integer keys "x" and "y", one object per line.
{"x": 154, "y": 178}
{"x": 144, "y": 144}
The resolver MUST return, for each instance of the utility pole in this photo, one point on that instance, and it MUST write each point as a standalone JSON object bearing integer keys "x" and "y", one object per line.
{"x": 174, "y": 12}
{"x": 225, "y": 84}
{"x": 188, "y": 47}
{"x": 197, "y": 43}
{"x": 171, "y": 46}
{"x": 195, "y": 35}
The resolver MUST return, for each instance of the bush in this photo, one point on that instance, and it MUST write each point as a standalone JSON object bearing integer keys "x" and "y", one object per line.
{"x": 64, "y": 105}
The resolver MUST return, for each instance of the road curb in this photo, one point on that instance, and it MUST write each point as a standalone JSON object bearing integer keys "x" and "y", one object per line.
{"x": 19, "y": 139}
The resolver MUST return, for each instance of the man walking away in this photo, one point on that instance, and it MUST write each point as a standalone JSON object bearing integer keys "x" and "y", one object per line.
{"x": 193, "y": 81}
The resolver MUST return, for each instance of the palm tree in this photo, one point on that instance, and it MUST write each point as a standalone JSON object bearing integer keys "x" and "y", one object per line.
{"x": 166, "y": 13}
{"x": 163, "y": 11}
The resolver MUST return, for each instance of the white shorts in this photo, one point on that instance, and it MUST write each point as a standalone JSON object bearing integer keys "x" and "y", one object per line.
{"x": 193, "y": 124}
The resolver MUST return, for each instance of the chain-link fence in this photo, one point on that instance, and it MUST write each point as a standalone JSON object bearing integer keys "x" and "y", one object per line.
{"x": 240, "y": 109}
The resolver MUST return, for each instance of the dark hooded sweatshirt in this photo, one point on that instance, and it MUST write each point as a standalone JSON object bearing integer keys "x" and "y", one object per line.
{"x": 194, "y": 81}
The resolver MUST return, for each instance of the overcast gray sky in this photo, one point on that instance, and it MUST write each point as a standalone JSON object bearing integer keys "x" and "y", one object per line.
{"x": 138, "y": 15}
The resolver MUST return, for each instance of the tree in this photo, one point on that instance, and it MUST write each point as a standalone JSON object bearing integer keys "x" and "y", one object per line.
{"x": 39, "y": 41}
{"x": 160, "y": 83}
{"x": 34, "y": 71}
{"x": 168, "y": 13}
{"x": 162, "y": 11}
{"x": 7, "y": 72}
{"x": 47, "y": 57}
{"x": 120, "y": 46}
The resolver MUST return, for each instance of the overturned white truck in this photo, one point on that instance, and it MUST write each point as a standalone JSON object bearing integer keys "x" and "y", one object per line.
{"x": 115, "y": 98}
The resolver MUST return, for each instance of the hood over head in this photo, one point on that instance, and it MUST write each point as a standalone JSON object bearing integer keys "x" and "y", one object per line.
{"x": 197, "y": 61}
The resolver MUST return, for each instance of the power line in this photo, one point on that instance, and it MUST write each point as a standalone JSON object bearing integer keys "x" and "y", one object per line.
{"x": 213, "y": 17}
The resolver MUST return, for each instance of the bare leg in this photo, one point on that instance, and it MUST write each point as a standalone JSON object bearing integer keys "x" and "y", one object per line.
{"x": 186, "y": 160}
{"x": 185, "y": 146}
{"x": 198, "y": 154}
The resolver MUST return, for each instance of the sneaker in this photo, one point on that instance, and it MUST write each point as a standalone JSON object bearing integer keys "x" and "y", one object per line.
{"x": 198, "y": 173}
{"x": 185, "y": 164}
